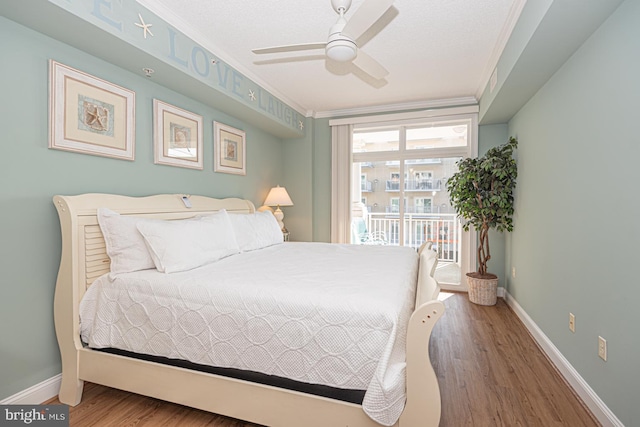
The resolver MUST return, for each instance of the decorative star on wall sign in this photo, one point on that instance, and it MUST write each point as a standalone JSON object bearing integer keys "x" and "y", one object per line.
{"x": 300, "y": 124}
{"x": 145, "y": 27}
{"x": 252, "y": 95}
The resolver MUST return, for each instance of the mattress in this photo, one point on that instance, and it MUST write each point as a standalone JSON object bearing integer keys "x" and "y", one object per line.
{"x": 318, "y": 313}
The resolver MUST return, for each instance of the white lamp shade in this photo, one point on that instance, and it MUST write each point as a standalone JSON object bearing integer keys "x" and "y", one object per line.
{"x": 278, "y": 196}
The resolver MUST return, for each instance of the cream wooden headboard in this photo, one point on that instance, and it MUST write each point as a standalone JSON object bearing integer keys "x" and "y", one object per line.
{"x": 79, "y": 223}
{"x": 96, "y": 262}
{"x": 84, "y": 256}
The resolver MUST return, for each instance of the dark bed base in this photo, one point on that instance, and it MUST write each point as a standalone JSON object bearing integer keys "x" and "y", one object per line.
{"x": 345, "y": 395}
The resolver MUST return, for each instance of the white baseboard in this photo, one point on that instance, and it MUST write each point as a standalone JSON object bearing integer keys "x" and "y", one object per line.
{"x": 37, "y": 394}
{"x": 586, "y": 393}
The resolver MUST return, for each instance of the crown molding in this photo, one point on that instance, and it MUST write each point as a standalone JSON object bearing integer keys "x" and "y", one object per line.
{"x": 387, "y": 117}
{"x": 380, "y": 109}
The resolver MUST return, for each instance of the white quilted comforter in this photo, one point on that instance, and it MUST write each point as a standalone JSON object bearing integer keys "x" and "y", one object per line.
{"x": 314, "y": 312}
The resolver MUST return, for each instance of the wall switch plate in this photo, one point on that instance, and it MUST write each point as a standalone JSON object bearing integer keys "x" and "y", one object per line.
{"x": 493, "y": 80}
{"x": 602, "y": 348}
{"x": 513, "y": 272}
{"x": 572, "y": 322}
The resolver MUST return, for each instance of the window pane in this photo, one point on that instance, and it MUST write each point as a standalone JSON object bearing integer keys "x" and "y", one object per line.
{"x": 440, "y": 136}
{"x": 377, "y": 200}
{"x": 373, "y": 200}
{"x": 398, "y": 187}
{"x": 369, "y": 142}
{"x": 428, "y": 215}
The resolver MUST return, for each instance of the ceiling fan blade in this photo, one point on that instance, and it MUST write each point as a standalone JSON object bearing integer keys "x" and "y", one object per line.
{"x": 366, "y": 15}
{"x": 290, "y": 48}
{"x": 370, "y": 66}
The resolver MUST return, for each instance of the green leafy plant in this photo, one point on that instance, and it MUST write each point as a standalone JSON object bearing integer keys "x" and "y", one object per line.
{"x": 481, "y": 192}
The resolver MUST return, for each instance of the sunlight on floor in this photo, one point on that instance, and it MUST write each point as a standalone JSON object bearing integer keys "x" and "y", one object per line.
{"x": 444, "y": 295}
{"x": 447, "y": 272}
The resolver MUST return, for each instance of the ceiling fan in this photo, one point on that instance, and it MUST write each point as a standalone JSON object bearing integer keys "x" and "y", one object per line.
{"x": 341, "y": 45}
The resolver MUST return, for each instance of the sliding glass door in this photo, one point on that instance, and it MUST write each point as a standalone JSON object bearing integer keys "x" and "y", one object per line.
{"x": 399, "y": 194}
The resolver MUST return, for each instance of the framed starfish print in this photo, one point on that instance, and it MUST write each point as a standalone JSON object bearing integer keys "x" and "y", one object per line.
{"x": 90, "y": 115}
{"x": 230, "y": 148}
{"x": 177, "y": 134}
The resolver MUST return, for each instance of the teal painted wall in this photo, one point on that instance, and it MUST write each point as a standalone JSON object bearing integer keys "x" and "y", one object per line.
{"x": 322, "y": 181}
{"x": 31, "y": 174}
{"x": 298, "y": 158}
{"x": 528, "y": 21}
{"x": 490, "y": 136}
{"x": 307, "y": 173}
{"x": 308, "y": 180}
{"x": 575, "y": 241}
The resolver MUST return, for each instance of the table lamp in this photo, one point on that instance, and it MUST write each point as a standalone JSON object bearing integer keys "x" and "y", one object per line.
{"x": 278, "y": 196}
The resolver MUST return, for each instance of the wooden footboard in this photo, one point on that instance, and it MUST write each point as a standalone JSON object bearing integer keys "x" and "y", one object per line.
{"x": 84, "y": 255}
{"x": 423, "y": 405}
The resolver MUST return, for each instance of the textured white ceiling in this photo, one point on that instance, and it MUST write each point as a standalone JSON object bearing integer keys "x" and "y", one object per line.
{"x": 434, "y": 49}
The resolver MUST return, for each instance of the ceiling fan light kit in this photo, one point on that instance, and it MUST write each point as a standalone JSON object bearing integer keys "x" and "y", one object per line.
{"x": 342, "y": 50}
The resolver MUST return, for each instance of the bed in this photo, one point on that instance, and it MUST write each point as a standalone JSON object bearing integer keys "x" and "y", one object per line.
{"x": 85, "y": 274}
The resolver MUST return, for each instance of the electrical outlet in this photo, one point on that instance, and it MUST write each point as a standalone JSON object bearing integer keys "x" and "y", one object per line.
{"x": 602, "y": 348}
{"x": 513, "y": 272}
{"x": 572, "y": 322}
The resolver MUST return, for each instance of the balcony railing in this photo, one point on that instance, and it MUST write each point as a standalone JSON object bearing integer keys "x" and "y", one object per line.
{"x": 394, "y": 209}
{"x": 414, "y": 162}
{"x": 415, "y": 185}
{"x": 366, "y": 186}
{"x": 444, "y": 230}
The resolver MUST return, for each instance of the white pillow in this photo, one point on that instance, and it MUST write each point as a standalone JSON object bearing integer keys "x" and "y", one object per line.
{"x": 125, "y": 245}
{"x": 257, "y": 230}
{"x": 183, "y": 245}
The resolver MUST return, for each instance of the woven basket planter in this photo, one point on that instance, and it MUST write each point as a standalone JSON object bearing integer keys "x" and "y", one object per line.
{"x": 483, "y": 291}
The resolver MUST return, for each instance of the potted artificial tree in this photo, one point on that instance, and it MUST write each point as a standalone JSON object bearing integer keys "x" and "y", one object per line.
{"x": 481, "y": 192}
